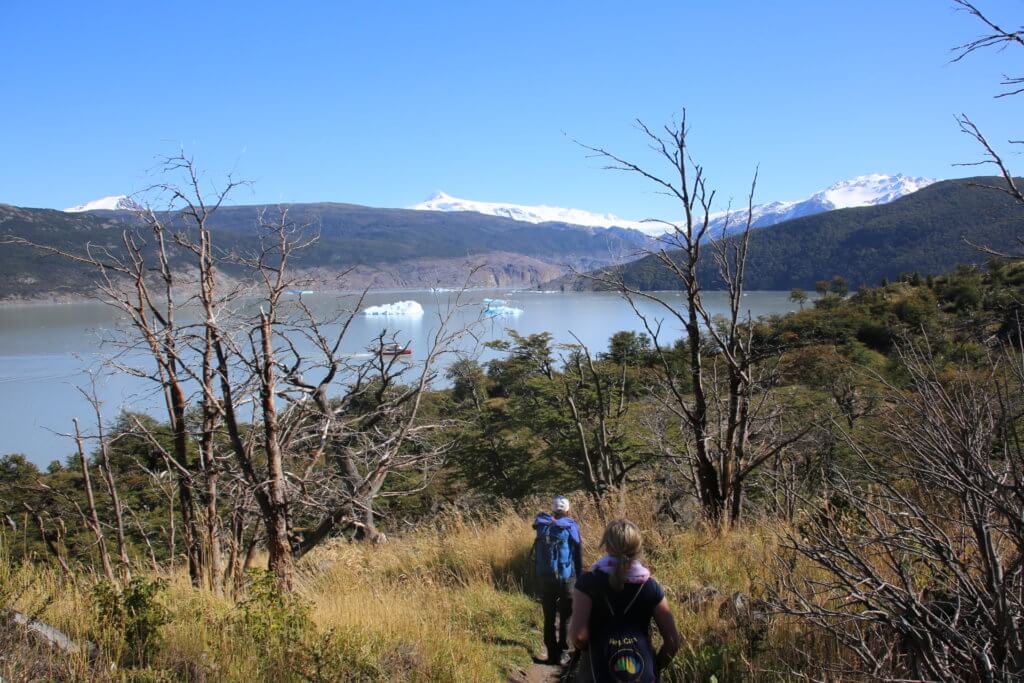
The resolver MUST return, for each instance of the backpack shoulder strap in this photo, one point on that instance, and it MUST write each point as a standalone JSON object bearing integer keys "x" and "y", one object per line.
{"x": 612, "y": 609}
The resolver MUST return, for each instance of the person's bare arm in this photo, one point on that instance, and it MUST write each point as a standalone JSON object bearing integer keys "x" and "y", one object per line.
{"x": 579, "y": 634}
{"x": 670, "y": 638}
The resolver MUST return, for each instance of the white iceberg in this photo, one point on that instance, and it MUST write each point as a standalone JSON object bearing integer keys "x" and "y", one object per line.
{"x": 501, "y": 311}
{"x": 404, "y": 309}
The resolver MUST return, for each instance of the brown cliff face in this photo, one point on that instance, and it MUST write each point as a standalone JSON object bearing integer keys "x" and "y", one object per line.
{"x": 496, "y": 269}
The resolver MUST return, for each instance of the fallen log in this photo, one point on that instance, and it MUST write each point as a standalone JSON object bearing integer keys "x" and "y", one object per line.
{"x": 52, "y": 635}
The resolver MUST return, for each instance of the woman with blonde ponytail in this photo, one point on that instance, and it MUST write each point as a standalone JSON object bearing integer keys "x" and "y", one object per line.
{"x": 613, "y": 605}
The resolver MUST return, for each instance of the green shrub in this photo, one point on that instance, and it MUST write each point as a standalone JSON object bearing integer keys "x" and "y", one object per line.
{"x": 135, "y": 615}
{"x": 277, "y": 622}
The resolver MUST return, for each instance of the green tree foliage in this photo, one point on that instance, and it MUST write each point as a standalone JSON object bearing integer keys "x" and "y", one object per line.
{"x": 545, "y": 419}
{"x": 798, "y": 296}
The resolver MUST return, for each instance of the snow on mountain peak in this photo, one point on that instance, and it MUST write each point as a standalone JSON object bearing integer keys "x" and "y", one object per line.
{"x": 118, "y": 202}
{"x": 871, "y": 189}
{"x": 442, "y": 201}
{"x": 865, "y": 190}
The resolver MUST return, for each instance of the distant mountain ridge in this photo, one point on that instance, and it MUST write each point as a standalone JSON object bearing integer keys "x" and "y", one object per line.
{"x": 930, "y": 231}
{"x": 383, "y": 248}
{"x": 866, "y": 190}
{"x": 441, "y": 201}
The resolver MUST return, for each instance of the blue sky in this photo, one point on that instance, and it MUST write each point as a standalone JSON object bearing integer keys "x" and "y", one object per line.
{"x": 384, "y": 103}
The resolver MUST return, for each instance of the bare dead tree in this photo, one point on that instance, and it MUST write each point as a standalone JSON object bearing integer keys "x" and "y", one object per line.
{"x": 164, "y": 481}
{"x": 922, "y": 570}
{"x": 195, "y": 209}
{"x": 103, "y": 460}
{"x": 371, "y": 432}
{"x": 53, "y": 541}
{"x": 125, "y": 282}
{"x": 724, "y": 446}
{"x": 144, "y": 534}
{"x": 310, "y": 452}
{"x": 598, "y": 405}
{"x": 309, "y": 432}
{"x": 198, "y": 243}
{"x": 997, "y": 38}
{"x": 243, "y": 535}
{"x": 93, "y": 519}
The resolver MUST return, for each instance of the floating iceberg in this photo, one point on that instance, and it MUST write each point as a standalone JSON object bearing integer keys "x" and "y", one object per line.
{"x": 405, "y": 309}
{"x": 494, "y": 302}
{"x": 496, "y": 310}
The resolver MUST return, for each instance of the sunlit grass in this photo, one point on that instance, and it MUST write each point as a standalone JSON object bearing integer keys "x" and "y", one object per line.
{"x": 450, "y": 602}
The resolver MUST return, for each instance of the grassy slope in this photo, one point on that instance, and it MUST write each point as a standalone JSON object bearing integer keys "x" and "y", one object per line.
{"x": 449, "y": 605}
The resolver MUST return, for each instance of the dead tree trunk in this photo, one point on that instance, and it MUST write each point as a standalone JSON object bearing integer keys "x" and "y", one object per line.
{"x": 115, "y": 501}
{"x": 90, "y": 499}
{"x": 718, "y": 426}
{"x": 276, "y": 512}
{"x": 210, "y": 411}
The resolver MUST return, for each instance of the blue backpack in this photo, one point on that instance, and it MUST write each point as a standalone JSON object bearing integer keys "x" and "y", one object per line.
{"x": 552, "y": 548}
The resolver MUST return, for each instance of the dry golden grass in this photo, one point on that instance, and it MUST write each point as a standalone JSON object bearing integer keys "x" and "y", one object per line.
{"x": 447, "y": 603}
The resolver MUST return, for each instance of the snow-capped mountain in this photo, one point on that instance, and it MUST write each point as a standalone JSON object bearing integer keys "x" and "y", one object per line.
{"x": 118, "y": 202}
{"x": 865, "y": 190}
{"x": 442, "y": 201}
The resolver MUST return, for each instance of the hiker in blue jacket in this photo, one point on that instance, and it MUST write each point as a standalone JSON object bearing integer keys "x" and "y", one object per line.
{"x": 559, "y": 560}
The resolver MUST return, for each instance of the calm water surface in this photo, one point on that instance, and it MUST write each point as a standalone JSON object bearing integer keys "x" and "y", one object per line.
{"x": 47, "y": 350}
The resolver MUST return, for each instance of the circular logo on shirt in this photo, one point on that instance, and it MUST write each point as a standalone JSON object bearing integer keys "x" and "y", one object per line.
{"x": 626, "y": 665}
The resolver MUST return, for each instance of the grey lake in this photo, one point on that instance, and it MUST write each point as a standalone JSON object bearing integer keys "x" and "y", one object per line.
{"x": 48, "y": 352}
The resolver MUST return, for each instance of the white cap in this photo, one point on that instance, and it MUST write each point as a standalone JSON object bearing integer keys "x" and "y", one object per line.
{"x": 560, "y": 504}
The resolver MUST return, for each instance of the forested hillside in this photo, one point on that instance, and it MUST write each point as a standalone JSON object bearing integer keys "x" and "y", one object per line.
{"x": 428, "y": 248}
{"x": 926, "y": 232}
